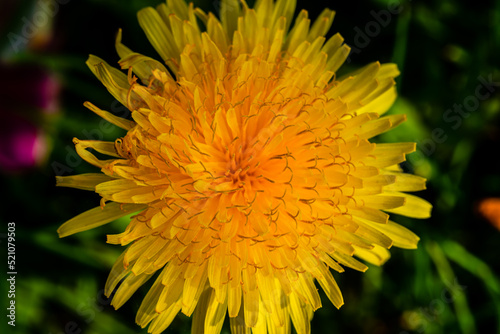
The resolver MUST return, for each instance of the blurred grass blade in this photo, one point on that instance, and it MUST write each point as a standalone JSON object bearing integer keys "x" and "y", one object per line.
{"x": 463, "y": 313}
{"x": 400, "y": 46}
{"x": 478, "y": 268}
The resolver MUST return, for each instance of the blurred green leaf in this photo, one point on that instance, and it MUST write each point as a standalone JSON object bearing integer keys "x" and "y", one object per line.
{"x": 448, "y": 278}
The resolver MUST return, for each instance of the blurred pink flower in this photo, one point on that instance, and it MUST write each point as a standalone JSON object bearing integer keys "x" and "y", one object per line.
{"x": 23, "y": 145}
{"x": 27, "y": 94}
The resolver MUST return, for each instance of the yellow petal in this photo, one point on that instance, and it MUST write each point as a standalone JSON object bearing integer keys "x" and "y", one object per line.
{"x": 237, "y": 324}
{"x": 381, "y": 104}
{"x": 113, "y": 79}
{"x": 414, "y": 207}
{"x": 406, "y": 182}
{"x": 200, "y": 313}
{"x": 286, "y": 9}
{"x": 381, "y": 202}
{"x": 147, "y": 311}
{"x": 216, "y": 312}
{"x": 158, "y": 34}
{"x": 118, "y": 121}
{"x": 372, "y": 233}
{"x": 378, "y": 255}
{"x": 127, "y": 288}
{"x": 298, "y": 33}
{"x": 331, "y": 288}
{"x": 234, "y": 301}
{"x": 251, "y": 307}
{"x": 118, "y": 272}
{"x": 160, "y": 323}
{"x": 193, "y": 287}
{"x": 229, "y": 12}
{"x": 349, "y": 261}
{"x": 322, "y": 24}
{"x": 141, "y": 65}
{"x": 400, "y": 235}
{"x": 96, "y": 217}
{"x": 86, "y": 181}
{"x": 179, "y": 8}
{"x": 104, "y": 147}
{"x": 301, "y": 314}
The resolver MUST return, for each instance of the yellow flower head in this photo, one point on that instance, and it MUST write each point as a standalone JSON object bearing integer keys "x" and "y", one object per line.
{"x": 249, "y": 166}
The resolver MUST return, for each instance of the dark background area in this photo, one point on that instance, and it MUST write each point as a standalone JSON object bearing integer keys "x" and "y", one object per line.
{"x": 444, "y": 49}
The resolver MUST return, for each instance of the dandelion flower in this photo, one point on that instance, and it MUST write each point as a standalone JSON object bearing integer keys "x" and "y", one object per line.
{"x": 248, "y": 166}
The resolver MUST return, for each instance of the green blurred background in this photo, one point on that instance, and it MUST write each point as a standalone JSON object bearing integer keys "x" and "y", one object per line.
{"x": 445, "y": 50}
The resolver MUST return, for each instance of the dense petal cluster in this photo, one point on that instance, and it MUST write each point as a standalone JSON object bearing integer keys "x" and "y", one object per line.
{"x": 249, "y": 166}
